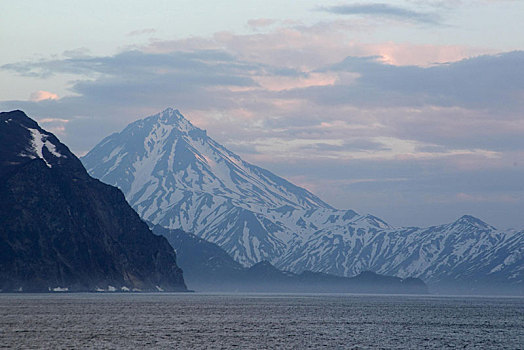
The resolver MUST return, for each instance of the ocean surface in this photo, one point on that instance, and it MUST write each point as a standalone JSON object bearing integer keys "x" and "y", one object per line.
{"x": 258, "y": 321}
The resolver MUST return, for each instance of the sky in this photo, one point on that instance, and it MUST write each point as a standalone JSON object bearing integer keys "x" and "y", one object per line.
{"x": 410, "y": 110}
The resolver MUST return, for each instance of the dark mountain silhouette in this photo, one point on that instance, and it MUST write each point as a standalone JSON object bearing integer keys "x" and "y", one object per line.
{"x": 63, "y": 230}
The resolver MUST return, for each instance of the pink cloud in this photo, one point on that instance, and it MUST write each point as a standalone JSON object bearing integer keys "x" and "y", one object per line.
{"x": 402, "y": 54}
{"x": 53, "y": 120}
{"x": 280, "y": 83}
{"x": 311, "y": 47}
{"x": 42, "y": 95}
{"x": 55, "y": 125}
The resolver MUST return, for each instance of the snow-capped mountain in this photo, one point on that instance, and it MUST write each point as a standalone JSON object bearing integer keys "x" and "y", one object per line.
{"x": 176, "y": 176}
{"x": 467, "y": 249}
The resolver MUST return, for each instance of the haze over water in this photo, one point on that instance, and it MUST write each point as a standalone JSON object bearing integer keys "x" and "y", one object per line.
{"x": 259, "y": 321}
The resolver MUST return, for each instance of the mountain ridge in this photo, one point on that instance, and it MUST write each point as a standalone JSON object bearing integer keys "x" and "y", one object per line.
{"x": 196, "y": 185}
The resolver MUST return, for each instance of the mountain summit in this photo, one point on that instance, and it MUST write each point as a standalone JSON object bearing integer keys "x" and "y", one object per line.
{"x": 23, "y": 140}
{"x": 165, "y": 152}
{"x": 176, "y": 176}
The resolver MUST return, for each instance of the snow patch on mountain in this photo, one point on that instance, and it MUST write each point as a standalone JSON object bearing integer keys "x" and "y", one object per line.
{"x": 39, "y": 141}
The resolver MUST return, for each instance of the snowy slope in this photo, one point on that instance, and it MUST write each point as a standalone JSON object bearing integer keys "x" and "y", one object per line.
{"x": 175, "y": 175}
{"x": 465, "y": 249}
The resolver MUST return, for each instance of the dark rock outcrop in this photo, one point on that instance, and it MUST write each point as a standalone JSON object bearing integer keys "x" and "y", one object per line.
{"x": 205, "y": 264}
{"x": 61, "y": 229}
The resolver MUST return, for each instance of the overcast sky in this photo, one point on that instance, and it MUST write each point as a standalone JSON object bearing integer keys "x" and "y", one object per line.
{"x": 409, "y": 110}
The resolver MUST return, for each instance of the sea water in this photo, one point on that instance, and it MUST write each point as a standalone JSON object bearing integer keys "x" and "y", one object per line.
{"x": 259, "y": 321}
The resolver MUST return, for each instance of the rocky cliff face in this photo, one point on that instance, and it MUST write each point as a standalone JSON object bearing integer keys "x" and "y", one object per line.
{"x": 63, "y": 230}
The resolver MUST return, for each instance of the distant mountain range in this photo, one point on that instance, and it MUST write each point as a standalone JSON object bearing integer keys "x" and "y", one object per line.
{"x": 176, "y": 176}
{"x": 62, "y": 230}
{"x": 207, "y": 267}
